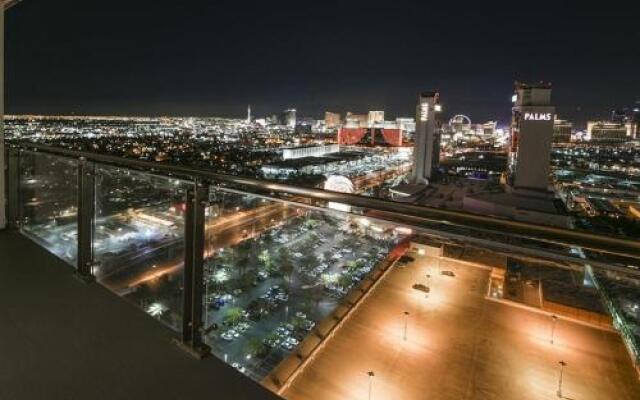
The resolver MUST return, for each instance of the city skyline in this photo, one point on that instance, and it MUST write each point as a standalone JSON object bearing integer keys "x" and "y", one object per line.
{"x": 237, "y": 57}
{"x": 319, "y": 201}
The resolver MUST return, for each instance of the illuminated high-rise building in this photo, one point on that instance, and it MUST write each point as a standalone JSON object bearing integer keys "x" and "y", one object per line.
{"x": 630, "y": 117}
{"x": 249, "y": 114}
{"x": 527, "y": 196}
{"x": 332, "y": 120}
{"x": 289, "y": 118}
{"x": 370, "y": 136}
{"x": 356, "y": 120}
{"x": 607, "y": 131}
{"x": 406, "y": 124}
{"x": 427, "y": 138}
{"x": 531, "y": 137}
{"x": 562, "y": 130}
{"x": 376, "y": 117}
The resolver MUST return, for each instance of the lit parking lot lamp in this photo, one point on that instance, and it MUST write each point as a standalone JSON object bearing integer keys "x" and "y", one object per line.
{"x": 406, "y": 321}
{"x": 371, "y": 375}
{"x": 562, "y": 365}
{"x": 554, "y": 320}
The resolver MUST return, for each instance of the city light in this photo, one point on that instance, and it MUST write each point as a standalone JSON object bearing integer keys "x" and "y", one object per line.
{"x": 308, "y": 247}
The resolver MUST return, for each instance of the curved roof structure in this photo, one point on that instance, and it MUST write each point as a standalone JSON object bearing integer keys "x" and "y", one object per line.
{"x": 460, "y": 119}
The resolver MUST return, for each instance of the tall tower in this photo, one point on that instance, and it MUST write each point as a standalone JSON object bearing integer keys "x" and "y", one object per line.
{"x": 531, "y": 137}
{"x": 427, "y": 138}
{"x": 249, "y": 114}
{"x": 375, "y": 117}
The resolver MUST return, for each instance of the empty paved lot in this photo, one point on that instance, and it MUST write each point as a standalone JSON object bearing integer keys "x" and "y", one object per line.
{"x": 461, "y": 346}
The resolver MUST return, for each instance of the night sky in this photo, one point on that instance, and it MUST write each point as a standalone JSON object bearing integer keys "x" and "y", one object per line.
{"x": 206, "y": 58}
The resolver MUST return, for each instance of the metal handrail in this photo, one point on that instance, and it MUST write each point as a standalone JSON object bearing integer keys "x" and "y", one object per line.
{"x": 9, "y": 3}
{"x": 605, "y": 244}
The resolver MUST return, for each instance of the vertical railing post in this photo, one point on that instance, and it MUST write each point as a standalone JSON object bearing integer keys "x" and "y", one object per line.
{"x": 86, "y": 215}
{"x": 13, "y": 188}
{"x": 192, "y": 320}
{"x": 3, "y": 199}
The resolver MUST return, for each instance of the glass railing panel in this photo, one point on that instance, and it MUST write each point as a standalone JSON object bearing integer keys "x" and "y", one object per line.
{"x": 306, "y": 292}
{"x": 274, "y": 271}
{"x": 306, "y": 297}
{"x": 592, "y": 186}
{"x": 48, "y": 213}
{"x": 139, "y": 240}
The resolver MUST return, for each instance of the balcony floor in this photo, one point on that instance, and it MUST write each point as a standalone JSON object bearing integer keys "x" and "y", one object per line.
{"x": 62, "y": 339}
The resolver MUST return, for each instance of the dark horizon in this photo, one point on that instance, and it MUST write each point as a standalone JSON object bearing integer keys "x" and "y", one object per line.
{"x": 161, "y": 58}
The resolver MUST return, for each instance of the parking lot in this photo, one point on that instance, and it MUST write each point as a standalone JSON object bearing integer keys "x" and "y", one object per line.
{"x": 267, "y": 292}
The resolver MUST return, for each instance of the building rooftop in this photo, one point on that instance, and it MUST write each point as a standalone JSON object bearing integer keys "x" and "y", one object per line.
{"x": 325, "y": 159}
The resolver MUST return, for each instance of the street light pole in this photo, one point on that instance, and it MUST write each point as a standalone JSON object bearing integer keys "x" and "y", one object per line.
{"x": 371, "y": 375}
{"x": 554, "y": 320}
{"x": 406, "y": 321}
{"x": 426, "y": 296}
{"x": 562, "y": 365}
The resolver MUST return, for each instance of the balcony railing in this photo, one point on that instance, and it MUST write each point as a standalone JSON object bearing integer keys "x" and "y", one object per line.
{"x": 262, "y": 273}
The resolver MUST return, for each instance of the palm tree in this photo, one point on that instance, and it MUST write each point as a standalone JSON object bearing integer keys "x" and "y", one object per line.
{"x": 317, "y": 294}
{"x": 256, "y": 348}
{"x": 286, "y": 265}
{"x": 233, "y": 316}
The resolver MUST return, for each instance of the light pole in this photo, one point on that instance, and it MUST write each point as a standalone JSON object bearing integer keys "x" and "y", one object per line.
{"x": 428, "y": 286}
{"x": 371, "y": 375}
{"x": 406, "y": 321}
{"x": 562, "y": 365}
{"x": 554, "y": 320}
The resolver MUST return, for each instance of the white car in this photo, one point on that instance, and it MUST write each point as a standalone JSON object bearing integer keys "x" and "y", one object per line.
{"x": 229, "y": 335}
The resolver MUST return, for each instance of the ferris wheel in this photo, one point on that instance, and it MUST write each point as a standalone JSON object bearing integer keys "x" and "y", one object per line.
{"x": 460, "y": 120}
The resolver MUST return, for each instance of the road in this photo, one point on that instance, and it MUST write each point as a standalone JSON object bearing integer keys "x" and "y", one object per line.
{"x": 461, "y": 346}
{"x": 167, "y": 257}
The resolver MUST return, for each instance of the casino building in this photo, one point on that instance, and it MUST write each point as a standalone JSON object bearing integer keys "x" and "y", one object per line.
{"x": 527, "y": 195}
{"x": 531, "y": 137}
{"x": 372, "y": 136}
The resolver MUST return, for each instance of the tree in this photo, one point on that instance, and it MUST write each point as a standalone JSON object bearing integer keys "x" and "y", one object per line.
{"x": 273, "y": 336}
{"x": 347, "y": 242}
{"x": 327, "y": 255}
{"x": 265, "y": 259}
{"x": 286, "y": 264}
{"x": 305, "y": 247}
{"x": 351, "y": 266}
{"x": 245, "y": 257}
{"x": 267, "y": 239}
{"x": 345, "y": 280}
{"x": 298, "y": 323}
{"x": 317, "y": 294}
{"x": 234, "y": 316}
{"x": 310, "y": 260}
{"x": 256, "y": 348}
{"x": 313, "y": 238}
{"x": 247, "y": 279}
